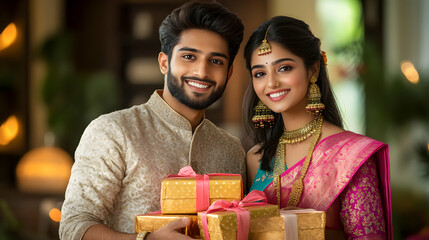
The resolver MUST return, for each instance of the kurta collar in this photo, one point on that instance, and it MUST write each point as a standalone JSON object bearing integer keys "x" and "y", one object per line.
{"x": 166, "y": 113}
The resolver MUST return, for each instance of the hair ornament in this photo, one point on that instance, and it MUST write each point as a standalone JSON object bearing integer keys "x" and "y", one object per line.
{"x": 325, "y": 59}
{"x": 265, "y": 47}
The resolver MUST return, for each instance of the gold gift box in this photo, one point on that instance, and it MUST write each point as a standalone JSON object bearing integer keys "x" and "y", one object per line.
{"x": 153, "y": 221}
{"x": 311, "y": 223}
{"x": 265, "y": 224}
{"x": 178, "y": 195}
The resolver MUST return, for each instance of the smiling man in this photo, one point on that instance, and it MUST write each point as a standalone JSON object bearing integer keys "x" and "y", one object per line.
{"x": 123, "y": 156}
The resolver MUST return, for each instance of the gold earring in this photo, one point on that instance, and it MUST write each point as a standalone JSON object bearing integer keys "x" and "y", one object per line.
{"x": 263, "y": 117}
{"x": 314, "y": 105}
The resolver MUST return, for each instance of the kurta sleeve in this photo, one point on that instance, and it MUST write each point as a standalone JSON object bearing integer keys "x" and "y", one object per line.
{"x": 95, "y": 179}
{"x": 361, "y": 209}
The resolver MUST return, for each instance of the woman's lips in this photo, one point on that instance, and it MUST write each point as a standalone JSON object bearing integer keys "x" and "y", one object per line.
{"x": 278, "y": 95}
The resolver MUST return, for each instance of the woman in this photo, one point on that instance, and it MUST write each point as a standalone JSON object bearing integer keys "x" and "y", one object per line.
{"x": 303, "y": 157}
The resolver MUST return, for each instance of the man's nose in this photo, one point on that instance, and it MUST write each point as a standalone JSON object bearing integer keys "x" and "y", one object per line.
{"x": 201, "y": 69}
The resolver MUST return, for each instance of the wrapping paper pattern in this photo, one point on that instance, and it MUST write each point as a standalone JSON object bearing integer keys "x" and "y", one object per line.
{"x": 153, "y": 221}
{"x": 306, "y": 224}
{"x": 265, "y": 223}
{"x": 178, "y": 195}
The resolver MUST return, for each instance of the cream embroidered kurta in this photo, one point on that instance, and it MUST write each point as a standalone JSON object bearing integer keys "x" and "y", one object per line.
{"x": 123, "y": 156}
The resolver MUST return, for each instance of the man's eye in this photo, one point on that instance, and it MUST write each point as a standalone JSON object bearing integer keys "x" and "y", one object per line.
{"x": 188, "y": 56}
{"x": 217, "y": 62}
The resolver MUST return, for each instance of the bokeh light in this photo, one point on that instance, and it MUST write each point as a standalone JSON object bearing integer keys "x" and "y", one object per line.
{"x": 410, "y": 71}
{"x": 8, "y": 36}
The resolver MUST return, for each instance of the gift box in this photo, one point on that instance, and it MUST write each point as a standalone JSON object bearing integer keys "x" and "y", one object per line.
{"x": 192, "y": 193}
{"x": 153, "y": 221}
{"x": 265, "y": 223}
{"x": 304, "y": 224}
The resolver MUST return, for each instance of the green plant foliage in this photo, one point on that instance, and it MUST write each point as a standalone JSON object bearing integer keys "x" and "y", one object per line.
{"x": 9, "y": 225}
{"x": 391, "y": 103}
{"x": 410, "y": 212}
{"x": 73, "y": 99}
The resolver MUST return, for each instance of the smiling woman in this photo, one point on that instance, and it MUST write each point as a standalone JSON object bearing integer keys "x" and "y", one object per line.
{"x": 304, "y": 158}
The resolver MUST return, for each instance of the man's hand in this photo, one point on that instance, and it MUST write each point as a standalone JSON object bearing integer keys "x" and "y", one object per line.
{"x": 171, "y": 231}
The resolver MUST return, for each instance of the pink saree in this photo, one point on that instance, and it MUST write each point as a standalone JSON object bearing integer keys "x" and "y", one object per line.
{"x": 346, "y": 166}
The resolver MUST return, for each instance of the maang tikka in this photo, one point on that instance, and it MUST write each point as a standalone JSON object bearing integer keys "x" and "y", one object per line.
{"x": 265, "y": 47}
{"x": 314, "y": 105}
{"x": 264, "y": 116}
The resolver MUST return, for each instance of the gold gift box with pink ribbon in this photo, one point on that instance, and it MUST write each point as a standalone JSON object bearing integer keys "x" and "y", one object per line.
{"x": 153, "y": 221}
{"x": 247, "y": 219}
{"x": 304, "y": 224}
{"x": 189, "y": 193}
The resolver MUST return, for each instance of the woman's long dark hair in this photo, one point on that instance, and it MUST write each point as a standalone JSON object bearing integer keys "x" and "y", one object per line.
{"x": 294, "y": 35}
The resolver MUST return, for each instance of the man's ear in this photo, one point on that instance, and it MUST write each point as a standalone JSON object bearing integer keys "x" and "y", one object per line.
{"x": 230, "y": 71}
{"x": 163, "y": 62}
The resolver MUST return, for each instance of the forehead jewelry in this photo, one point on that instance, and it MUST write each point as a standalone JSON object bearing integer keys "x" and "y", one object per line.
{"x": 265, "y": 47}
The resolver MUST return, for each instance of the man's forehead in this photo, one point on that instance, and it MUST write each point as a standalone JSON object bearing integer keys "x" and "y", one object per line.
{"x": 202, "y": 41}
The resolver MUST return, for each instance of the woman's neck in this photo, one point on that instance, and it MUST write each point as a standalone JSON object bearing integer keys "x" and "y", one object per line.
{"x": 294, "y": 120}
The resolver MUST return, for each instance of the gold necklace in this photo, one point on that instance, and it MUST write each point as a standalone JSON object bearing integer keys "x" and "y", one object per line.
{"x": 299, "y": 135}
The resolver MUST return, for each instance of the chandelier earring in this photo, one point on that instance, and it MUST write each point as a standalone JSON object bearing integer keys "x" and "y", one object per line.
{"x": 263, "y": 117}
{"x": 314, "y": 106}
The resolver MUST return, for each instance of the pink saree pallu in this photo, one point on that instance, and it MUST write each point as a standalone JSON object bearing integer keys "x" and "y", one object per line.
{"x": 354, "y": 168}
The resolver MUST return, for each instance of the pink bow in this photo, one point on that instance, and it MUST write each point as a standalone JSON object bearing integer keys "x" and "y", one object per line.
{"x": 203, "y": 185}
{"x": 243, "y": 215}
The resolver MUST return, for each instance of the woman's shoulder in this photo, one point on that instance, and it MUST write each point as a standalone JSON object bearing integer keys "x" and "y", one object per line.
{"x": 329, "y": 129}
{"x": 253, "y": 153}
{"x": 334, "y": 134}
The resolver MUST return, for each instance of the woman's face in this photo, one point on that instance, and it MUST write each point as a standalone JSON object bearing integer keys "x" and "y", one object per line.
{"x": 280, "y": 79}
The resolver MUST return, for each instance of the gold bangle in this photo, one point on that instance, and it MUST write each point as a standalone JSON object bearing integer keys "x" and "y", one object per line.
{"x": 142, "y": 235}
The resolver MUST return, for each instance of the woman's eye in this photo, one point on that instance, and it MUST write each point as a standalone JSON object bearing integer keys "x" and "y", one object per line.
{"x": 285, "y": 68}
{"x": 258, "y": 74}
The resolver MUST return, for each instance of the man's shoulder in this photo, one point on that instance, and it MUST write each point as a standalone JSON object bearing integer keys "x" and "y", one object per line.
{"x": 125, "y": 115}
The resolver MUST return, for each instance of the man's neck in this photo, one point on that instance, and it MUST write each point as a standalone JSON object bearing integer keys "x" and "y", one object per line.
{"x": 193, "y": 116}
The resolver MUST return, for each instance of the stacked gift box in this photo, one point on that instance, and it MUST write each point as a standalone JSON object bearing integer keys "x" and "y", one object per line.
{"x": 217, "y": 211}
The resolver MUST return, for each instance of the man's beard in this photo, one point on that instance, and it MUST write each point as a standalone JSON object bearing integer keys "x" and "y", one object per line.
{"x": 199, "y": 102}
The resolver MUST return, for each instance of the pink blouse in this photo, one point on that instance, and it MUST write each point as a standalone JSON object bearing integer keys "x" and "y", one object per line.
{"x": 361, "y": 209}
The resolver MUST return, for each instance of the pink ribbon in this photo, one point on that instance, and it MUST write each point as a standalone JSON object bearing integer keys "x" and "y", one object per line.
{"x": 202, "y": 184}
{"x": 243, "y": 215}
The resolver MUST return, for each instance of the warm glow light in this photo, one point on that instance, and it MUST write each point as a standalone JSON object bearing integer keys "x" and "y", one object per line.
{"x": 410, "y": 71}
{"x": 9, "y": 130}
{"x": 8, "y": 36}
{"x": 55, "y": 214}
{"x": 45, "y": 169}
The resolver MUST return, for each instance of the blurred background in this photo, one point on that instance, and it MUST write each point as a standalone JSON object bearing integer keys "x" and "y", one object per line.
{"x": 65, "y": 62}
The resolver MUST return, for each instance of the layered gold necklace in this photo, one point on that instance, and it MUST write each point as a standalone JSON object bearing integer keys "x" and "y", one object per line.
{"x": 291, "y": 137}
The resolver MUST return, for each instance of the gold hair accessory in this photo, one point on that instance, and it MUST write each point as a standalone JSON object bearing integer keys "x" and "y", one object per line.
{"x": 314, "y": 106}
{"x": 291, "y": 137}
{"x": 325, "y": 59}
{"x": 263, "y": 117}
{"x": 265, "y": 47}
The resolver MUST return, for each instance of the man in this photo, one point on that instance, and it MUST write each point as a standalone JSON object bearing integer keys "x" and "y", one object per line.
{"x": 123, "y": 156}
